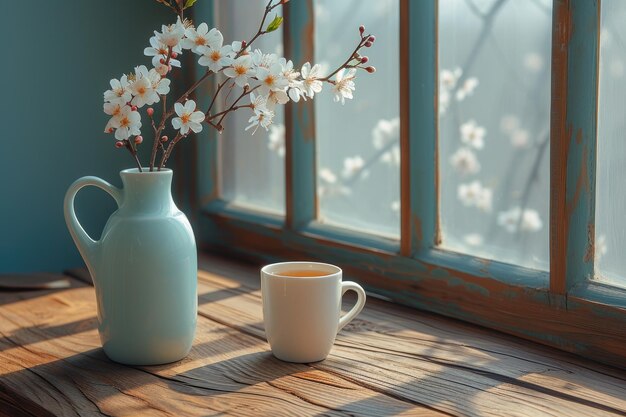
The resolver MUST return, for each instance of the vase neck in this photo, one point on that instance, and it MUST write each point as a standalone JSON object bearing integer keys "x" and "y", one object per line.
{"x": 147, "y": 192}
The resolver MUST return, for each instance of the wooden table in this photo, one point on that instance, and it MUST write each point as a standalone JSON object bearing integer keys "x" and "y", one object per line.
{"x": 388, "y": 361}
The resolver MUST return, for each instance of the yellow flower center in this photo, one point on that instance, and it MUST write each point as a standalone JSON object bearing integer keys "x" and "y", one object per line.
{"x": 124, "y": 122}
{"x": 200, "y": 41}
{"x": 215, "y": 56}
{"x": 141, "y": 90}
{"x": 240, "y": 69}
{"x": 269, "y": 80}
{"x": 185, "y": 118}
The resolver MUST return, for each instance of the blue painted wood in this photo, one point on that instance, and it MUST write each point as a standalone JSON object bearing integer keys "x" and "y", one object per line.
{"x": 486, "y": 292}
{"x": 301, "y": 195}
{"x": 423, "y": 125}
{"x": 207, "y": 152}
{"x": 350, "y": 237}
{"x": 581, "y": 122}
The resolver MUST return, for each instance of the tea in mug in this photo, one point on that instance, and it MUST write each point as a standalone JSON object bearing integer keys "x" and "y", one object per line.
{"x": 302, "y": 273}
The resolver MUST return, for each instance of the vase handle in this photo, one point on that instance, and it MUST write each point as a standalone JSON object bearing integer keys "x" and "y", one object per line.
{"x": 85, "y": 244}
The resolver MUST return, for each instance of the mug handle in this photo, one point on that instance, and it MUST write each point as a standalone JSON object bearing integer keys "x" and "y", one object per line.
{"x": 360, "y": 302}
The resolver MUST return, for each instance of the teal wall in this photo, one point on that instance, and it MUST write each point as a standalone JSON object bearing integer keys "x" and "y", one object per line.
{"x": 59, "y": 59}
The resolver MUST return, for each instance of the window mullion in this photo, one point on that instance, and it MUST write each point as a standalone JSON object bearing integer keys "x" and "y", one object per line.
{"x": 300, "y": 169}
{"x": 573, "y": 142}
{"x": 206, "y": 150}
{"x": 419, "y": 125}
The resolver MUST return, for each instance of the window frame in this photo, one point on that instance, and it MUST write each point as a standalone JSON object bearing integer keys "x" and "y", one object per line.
{"x": 573, "y": 312}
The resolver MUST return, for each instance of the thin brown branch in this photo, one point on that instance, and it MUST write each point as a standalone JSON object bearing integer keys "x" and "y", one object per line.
{"x": 169, "y": 149}
{"x": 219, "y": 88}
{"x": 350, "y": 58}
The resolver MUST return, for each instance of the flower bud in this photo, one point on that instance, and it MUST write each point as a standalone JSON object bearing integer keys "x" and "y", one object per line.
{"x": 150, "y": 111}
{"x": 368, "y": 44}
{"x": 244, "y": 44}
{"x": 164, "y": 138}
{"x": 138, "y": 139}
{"x": 119, "y": 144}
{"x": 372, "y": 39}
{"x": 162, "y": 60}
{"x": 361, "y": 29}
{"x": 371, "y": 70}
{"x": 133, "y": 108}
{"x": 109, "y": 130}
{"x": 174, "y": 55}
{"x": 364, "y": 59}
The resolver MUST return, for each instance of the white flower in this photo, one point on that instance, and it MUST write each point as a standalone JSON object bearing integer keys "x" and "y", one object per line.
{"x": 142, "y": 88}
{"x": 509, "y": 123}
{"x": 472, "y": 134}
{"x": 127, "y": 123}
{"x": 277, "y": 139}
{"x": 276, "y": 97}
{"x": 289, "y": 73}
{"x": 344, "y": 85}
{"x": 529, "y": 222}
{"x": 201, "y": 36}
{"x": 352, "y": 165}
{"x": 465, "y": 161}
{"x": 115, "y": 111}
{"x": 328, "y": 185}
{"x": 467, "y": 89}
{"x": 261, "y": 60}
{"x": 119, "y": 92}
{"x": 159, "y": 84}
{"x": 161, "y": 69}
{"x": 235, "y": 48}
{"x": 311, "y": 84}
{"x": 171, "y": 35}
{"x": 188, "y": 117}
{"x": 473, "y": 239}
{"x": 159, "y": 51}
{"x": 385, "y": 131}
{"x": 258, "y": 102}
{"x": 240, "y": 70}
{"x": 215, "y": 58}
{"x": 533, "y": 62}
{"x": 449, "y": 78}
{"x": 392, "y": 156}
{"x": 474, "y": 194}
{"x": 271, "y": 79}
{"x": 327, "y": 175}
{"x": 520, "y": 138}
{"x": 261, "y": 117}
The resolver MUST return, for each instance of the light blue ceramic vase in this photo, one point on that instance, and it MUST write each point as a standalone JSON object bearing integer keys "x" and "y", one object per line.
{"x": 144, "y": 269}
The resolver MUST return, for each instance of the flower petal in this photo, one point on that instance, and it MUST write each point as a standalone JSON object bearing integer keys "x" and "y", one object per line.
{"x": 179, "y": 109}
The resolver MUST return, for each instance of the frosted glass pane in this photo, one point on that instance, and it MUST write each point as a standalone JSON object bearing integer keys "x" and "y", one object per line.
{"x": 358, "y": 143}
{"x": 252, "y": 166}
{"x": 494, "y": 123}
{"x": 611, "y": 160}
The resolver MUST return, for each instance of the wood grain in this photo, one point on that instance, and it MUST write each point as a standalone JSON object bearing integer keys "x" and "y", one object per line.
{"x": 50, "y": 355}
{"x": 456, "y": 368}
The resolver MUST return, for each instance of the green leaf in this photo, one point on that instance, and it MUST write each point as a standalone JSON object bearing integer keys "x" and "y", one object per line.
{"x": 189, "y": 3}
{"x": 275, "y": 24}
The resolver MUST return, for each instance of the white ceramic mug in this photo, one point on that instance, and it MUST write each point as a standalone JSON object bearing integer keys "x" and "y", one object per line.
{"x": 302, "y": 314}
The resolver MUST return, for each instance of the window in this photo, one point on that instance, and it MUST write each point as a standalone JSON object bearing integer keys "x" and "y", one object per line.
{"x": 464, "y": 179}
